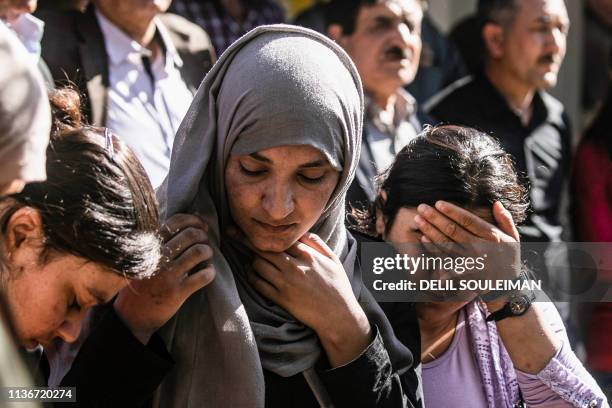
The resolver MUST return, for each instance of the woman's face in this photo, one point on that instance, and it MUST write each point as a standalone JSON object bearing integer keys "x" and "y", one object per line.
{"x": 48, "y": 296}
{"x": 276, "y": 195}
{"x": 404, "y": 228}
{"x": 50, "y": 300}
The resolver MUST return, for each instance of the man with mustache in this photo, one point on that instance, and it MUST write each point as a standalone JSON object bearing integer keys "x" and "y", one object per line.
{"x": 383, "y": 38}
{"x": 524, "y": 42}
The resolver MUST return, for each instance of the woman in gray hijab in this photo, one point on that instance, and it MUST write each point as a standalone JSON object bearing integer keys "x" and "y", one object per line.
{"x": 265, "y": 154}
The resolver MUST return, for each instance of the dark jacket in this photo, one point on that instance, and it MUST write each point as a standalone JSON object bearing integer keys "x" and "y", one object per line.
{"x": 73, "y": 47}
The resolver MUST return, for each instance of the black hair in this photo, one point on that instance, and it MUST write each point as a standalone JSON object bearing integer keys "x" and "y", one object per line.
{"x": 496, "y": 11}
{"x": 452, "y": 163}
{"x": 97, "y": 202}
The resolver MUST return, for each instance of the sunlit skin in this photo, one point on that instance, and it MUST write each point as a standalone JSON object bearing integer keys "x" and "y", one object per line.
{"x": 48, "y": 293}
{"x": 385, "y": 46}
{"x": 11, "y": 187}
{"x": 276, "y": 195}
{"x": 525, "y": 54}
{"x": 11, "y": 10}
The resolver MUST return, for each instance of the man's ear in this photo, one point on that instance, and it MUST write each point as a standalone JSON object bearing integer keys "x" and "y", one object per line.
{"x": 380, "y": 218}
{"x": 493, "y": 37}
{"x": 334, "y": 31}
{"x": 24, "y": 236}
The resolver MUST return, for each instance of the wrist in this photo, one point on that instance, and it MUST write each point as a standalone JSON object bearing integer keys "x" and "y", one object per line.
{"x": 352, "y": 326}
{"x": 143, "y": 334}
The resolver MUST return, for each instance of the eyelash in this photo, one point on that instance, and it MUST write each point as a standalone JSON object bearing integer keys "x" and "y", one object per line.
{"x": 305, "y": 179}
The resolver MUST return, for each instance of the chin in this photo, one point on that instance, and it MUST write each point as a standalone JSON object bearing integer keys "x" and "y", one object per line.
{"x": 275, "y": 245}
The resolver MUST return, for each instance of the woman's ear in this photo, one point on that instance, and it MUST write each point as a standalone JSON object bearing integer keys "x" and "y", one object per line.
{"x": 380, "y": 217}
{"x": 24, "y": 236}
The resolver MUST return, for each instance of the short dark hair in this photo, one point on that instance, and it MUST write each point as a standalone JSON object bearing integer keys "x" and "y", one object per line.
{"x": 345, "y": 12}
{"x": 497, "y": 11}
{"x": 451, "y": 163}
{"x": 97, "y": 203}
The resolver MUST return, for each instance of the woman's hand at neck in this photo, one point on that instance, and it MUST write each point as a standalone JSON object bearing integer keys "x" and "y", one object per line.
{"x": 309, "y": 281}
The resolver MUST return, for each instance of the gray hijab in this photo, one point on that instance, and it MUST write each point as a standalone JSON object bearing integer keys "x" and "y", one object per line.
{"x": 277, "y": 85}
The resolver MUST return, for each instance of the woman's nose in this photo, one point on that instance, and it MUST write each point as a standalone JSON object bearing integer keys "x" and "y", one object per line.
{"x": 278, "y": 201}
{"x": 70, "y": 329}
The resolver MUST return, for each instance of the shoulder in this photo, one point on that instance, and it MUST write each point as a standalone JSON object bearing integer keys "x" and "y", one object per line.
{"x": 451, "y": 94}
{"x": 186, "y": 35}
{"x": 556, "y": 110}
{"x": 58, "y": 19}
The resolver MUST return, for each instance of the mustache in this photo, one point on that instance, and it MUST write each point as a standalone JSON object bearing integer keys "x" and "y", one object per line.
{"x": 396, "y": 52}
{"x": 548, "y": 59}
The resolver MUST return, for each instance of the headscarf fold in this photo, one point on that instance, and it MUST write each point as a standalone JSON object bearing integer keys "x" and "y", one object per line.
{"x": 276, "y": 86}
{"x": 25, "y": 114}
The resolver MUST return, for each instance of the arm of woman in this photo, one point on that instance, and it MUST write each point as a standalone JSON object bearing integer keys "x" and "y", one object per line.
{"x": 122, "y": 360}
{"x": 309, "y": 281}
{"x": 534, "y": 347}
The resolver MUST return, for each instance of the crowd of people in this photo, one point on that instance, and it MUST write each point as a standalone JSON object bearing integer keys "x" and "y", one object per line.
{"x": 186, "y": 188}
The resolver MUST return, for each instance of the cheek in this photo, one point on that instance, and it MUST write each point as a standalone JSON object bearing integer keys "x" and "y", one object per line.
{"x": 37, "y": 310}
{"x": 243, "y": 196}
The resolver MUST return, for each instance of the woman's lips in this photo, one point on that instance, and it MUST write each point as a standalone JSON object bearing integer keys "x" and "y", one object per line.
{"x": 277, "y": 229}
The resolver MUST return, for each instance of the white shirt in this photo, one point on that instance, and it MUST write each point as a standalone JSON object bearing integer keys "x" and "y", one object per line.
{"x": 144, "y": 114}
{"x": 386, "y": 135}
{"x": 29, "y": 30}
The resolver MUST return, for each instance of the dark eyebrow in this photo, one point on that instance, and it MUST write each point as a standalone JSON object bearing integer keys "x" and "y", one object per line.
{"x": 259, "y": 157}
{"x": 98, "y": 296}
{"x": 315, "y": 163}
{"x": 384, "y": 19}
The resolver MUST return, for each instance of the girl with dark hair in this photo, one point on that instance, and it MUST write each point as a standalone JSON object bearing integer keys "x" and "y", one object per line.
{"x": 472, "y": 353}
{"x": 75, "y": 241}
{"x": 71, "y": 241}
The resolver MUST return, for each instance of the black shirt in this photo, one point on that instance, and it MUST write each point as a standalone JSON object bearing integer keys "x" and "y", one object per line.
{"x": 541, "y": 149}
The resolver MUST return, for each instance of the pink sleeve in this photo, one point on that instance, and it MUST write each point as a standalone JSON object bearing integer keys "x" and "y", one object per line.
{"x": 564, "y": 382}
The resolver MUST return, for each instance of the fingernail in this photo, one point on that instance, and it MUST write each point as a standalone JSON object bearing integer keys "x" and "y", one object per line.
{"x": 419, "y": 220}
{"x": 440, "y": 205}
{"x": 423, "y": 208}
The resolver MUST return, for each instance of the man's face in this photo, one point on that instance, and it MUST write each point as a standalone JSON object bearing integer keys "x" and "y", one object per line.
{"x": 135, "y": 10}
{"x": 534, "y": 43}
{"x": 10, "y": 10}
{"x": 386, "y": 44}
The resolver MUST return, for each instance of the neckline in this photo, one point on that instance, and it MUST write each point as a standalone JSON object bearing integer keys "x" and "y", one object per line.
{"x": 452, "y": 348}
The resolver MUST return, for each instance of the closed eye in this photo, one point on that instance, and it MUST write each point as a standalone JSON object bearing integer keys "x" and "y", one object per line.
{"x": 312, "y": 180}
{"x": 251, "y": 172}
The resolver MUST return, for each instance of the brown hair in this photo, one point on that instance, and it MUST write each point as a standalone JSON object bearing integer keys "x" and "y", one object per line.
{"x": 97, "y": 202}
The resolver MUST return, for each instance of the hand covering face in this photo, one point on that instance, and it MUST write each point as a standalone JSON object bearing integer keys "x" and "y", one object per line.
{"x": 276, "y": 86}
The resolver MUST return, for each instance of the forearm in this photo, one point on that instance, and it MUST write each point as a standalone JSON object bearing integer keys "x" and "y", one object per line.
{"x": 564, "y": 382}
{"x": 529, "y": 339}
{"x": 369, "y": 380}
{"x": 345, "y": 337}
